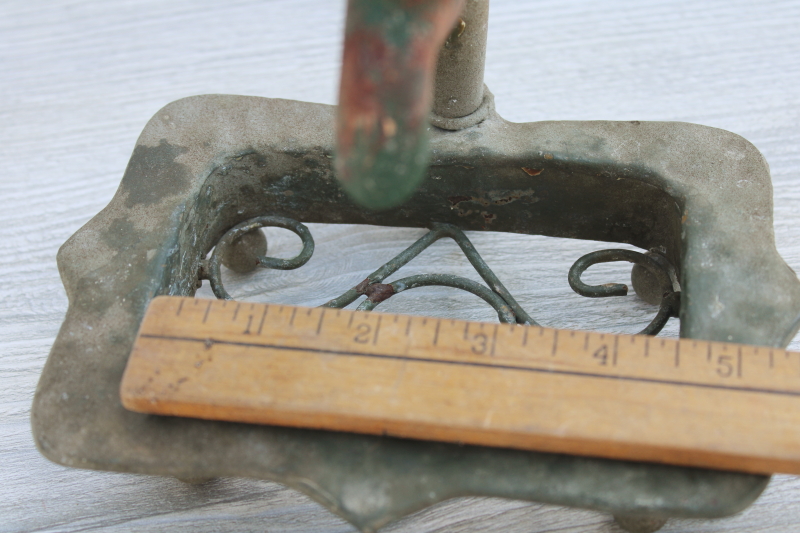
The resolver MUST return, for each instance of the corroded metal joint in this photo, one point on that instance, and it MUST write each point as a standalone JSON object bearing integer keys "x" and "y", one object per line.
{"x": 375, "y": 292}
{"x": 483, "y": 111}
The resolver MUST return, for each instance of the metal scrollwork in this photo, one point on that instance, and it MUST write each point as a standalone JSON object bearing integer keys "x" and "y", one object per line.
{"x": 670, "y": 300}
{"x": 212, "y": 267}
{"x": 494, "y": 292}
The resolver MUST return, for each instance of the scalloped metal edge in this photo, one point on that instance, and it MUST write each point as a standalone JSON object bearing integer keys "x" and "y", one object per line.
{"x": 205, "y": 163}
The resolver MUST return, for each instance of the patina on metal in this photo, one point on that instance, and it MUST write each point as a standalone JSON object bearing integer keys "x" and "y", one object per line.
{"x": 700, "y": 196}
{"x": 668, "y": 300}
{"x": 243, "y": 253}
{"x": 460, "y": 98}
{"x": 390, "y": 51}
{"x": 494, "y": 293}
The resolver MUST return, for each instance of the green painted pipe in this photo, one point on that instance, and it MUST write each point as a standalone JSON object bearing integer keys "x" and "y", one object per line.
{"x": 388, "y": 69}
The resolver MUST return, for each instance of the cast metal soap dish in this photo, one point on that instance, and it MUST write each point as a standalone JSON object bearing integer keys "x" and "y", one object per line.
{"x": 206, "y": 164}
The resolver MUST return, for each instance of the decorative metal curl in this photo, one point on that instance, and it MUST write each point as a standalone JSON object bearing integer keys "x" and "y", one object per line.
{"x": 504, "y": 311}
{"x": 670, "y": 301}
{"x": 212, "y": 269}
{"x": 437, "y": 232}
{"x": 496, "y": 295}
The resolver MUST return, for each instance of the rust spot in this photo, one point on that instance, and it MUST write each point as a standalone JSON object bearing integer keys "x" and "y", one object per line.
{"x": 635, "y": 122}
{"x": 361, "y": 288}
{"x": 375, "y": 292}
{"x": 532, "y": 171}
{"x": 488, "y": 217}
{"x": 548, "y": 156}
{"x": 455, "y": 200}
{"x": 378, "y": 292}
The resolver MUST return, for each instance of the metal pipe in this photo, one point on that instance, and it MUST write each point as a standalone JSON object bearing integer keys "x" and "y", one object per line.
{"x": 390, "y": 51}
{"x": 459, "y": 89}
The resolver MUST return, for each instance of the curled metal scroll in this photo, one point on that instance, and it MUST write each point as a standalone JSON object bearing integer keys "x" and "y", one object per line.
{"x": 437, "y": 232}
{"x": 504, "y": 312}
{"x": 211, "y": 270}
{"x": 494, "y": 293}
{"x": 670, "y": 301}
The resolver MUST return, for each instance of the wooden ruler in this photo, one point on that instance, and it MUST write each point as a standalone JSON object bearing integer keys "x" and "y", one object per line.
{"x": 683, "y": 402}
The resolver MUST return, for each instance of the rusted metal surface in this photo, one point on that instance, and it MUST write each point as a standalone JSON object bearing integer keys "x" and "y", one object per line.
{"x": 375, "y": 292}
{"x": 390, "y": 51}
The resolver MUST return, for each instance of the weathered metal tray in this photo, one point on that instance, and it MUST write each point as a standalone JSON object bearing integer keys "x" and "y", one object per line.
{"x": 204, "y": 164}
{"x": 700, "y": 196}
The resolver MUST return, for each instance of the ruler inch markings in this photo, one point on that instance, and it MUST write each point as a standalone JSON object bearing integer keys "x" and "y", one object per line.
{"x": 378, "y": 328}
{"x": 321, "y": 317}
{"x": 472, "y": 363}
{"x": 261, "y": 322}
{"x": 208, "y": 308}
{"x": 675, "y": 401}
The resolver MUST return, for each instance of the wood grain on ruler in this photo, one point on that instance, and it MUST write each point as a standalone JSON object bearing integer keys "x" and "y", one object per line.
{"x": 683, "y": 402}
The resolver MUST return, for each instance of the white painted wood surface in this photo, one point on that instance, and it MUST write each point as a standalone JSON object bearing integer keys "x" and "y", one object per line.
{"x": 79, "y": 79}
